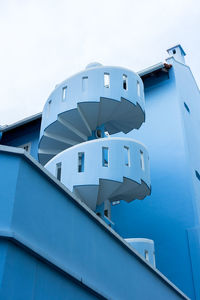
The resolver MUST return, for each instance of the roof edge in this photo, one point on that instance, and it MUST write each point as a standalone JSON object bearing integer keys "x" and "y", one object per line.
{"x": 20, "y": 122}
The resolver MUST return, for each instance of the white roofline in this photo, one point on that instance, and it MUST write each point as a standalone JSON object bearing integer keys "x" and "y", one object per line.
{"x": 20, "y": 123}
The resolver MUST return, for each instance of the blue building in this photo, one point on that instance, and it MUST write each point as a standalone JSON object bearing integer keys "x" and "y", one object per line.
{"x": 69, "y": 226}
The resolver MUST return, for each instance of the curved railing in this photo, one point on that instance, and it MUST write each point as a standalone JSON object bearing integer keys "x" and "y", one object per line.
{"x": 74, "y": 145}
{"x": 104, "y": 169}
{"x": 108, "y": 96}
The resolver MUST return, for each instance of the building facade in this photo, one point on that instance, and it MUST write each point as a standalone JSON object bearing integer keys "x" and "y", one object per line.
{"x": 67, "y": 214}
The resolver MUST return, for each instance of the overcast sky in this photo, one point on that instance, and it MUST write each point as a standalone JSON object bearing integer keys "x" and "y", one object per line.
{"x": 45, "y": 41}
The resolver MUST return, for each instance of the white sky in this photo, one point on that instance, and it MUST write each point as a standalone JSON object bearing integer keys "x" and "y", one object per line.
{"x": 45, "y": 41}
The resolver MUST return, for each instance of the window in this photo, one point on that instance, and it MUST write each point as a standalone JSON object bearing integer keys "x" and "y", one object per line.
{"x": 58, "y": 171}
{"x": 186, "y": 107}
{"x": 138, "y": 88}
{"x": 49, "y": 107}
{"x": 106, "y": 213}
{"x": 105, "y": 157}
{"x": 64, "y": 93}
{"x": 174, "y": 51}
{"x": 81, "y": 162}
{"x": 106, "y": 80}
{"x": 142, "y": 159}
{"x": 26, "y": 147}
{"x": 127, "y": 156}
{"x": 98, "y": 134}
{"x": 84, "y": 84}
{"x": 146, "y": 255}
{"x": 125, "y": 82}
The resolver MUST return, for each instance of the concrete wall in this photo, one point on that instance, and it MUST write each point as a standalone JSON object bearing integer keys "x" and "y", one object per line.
{"x": 39, "y": 215}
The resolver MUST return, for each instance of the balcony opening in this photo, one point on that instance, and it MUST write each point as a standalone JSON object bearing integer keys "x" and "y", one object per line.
{"x": 58, "y": 171}
{"x": 127, "y": 156}
{"x": 125, "y": 82}
{"x": 49, "y": 107}
{"x": 81, "y": 162}
{"x": 142, "y": 159}
{"x": 64, "y": 93}
{"x": 84, "y": 84}
{"x": 106, "y": 80}
{"x": 105, "y": 157}
{"x": 138, "y": 88}
{"x": 146, "y": 255}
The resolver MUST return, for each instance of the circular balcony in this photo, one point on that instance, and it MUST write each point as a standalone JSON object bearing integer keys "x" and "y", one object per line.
{"x": 109, "y": 96}
{"x": 104, "y": 169}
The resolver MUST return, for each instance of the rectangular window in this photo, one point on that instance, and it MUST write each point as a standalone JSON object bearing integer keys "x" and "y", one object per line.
{"x": 138, "y": 88}
{"x": 125, "y": 82}
{"x": 142, "y": 159}
{"x": 84, "y": 84}
{"x": 127, "y": 156}
{"x": 106, "y": 80}
{"x": 146, "y": 255}
{"x": 49, "y": 107}
{"x": 105, "y": 157}
{"x": 81, "y": 162}
{"x": 58, "y": 171}
{"x": 64, "y": 93}
{"x": 106, "y": 213}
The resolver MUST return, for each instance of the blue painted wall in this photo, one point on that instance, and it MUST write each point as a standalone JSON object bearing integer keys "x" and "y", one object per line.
{"x": 42, "y": 228}
{"x": 28, "y": 133}
{"x": 170, "y": 216}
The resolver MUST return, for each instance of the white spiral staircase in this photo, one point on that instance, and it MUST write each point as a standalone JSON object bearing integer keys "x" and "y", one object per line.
{"x": 68, "y": 124}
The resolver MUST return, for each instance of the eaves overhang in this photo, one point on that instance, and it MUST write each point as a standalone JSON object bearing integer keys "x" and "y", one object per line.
{"x": 145, "y": 73}
{"x": 149, "y": 72}
{"x": 22, "y": 122}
